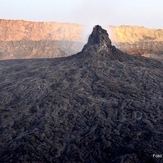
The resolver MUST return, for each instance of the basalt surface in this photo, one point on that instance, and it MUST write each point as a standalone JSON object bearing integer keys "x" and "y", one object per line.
{"x": 100, "y": 105}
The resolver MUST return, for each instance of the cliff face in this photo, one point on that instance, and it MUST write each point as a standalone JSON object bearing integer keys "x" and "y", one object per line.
{"x": 24, "y": 49}
{"x": 132, "y": 34}
{"x": 138, "y": 41}
{"x": 14, "y": 30}
{"x": 23, "y": 39}
{"x": 152, "y": 49}
{"x": 134, "y": 40}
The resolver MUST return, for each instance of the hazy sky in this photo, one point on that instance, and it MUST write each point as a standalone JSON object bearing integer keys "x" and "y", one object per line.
{"x": 147, "y": 13}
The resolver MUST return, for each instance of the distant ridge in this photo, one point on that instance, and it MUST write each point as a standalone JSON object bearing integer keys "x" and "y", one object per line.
{"x": 15, "y": 30}
{"x": 134, "y": 40}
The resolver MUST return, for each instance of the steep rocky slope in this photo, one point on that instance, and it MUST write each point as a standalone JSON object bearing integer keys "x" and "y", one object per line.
{"x": 131, "y": 39}
{"x": 100, "y": 105}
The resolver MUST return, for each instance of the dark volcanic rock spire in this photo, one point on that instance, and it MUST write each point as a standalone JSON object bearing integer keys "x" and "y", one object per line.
{"x": 99, "y": 39}
{"x": 99, "y": 36}
{"x": 99, "y": 44}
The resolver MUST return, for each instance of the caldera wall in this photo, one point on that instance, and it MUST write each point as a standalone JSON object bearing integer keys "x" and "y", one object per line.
{"x": 69, "y": 38}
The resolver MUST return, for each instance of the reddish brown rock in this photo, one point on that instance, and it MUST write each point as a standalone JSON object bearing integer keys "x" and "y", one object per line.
{"x": 14, "y": 30}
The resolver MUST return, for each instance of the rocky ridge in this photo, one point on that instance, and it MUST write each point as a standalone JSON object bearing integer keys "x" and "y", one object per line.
{"x": 16, "y": 30}
{"x": 132, "y": 34}
{"x": 134, "y": 40}
{"x": 100, "y": 105}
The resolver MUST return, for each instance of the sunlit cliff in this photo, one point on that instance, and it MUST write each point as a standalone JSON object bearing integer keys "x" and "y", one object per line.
{"x": 14, "y": 30}
{"x": 133, "y": 34}
{"x": 138, "y": 41}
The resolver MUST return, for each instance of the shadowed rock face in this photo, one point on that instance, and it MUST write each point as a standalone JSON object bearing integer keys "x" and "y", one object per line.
{"x": 26, "y": 49}
{"x": 100, "y": 105}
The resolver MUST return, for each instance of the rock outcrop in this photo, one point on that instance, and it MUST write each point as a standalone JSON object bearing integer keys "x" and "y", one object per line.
{"x": 100, "y": 105}
{"x": 98, "y": 36}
